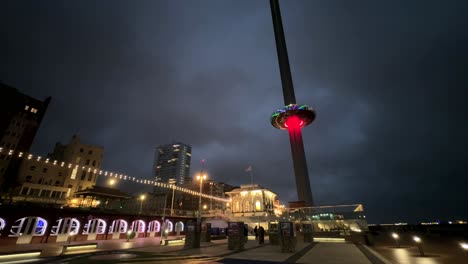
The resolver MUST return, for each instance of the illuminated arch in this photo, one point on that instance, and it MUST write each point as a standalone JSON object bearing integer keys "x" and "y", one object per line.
{"x": 179, "y": 226}
{"x": 65, "y": 226}
{"x": 2, "y": 224}
{"x": 247, "y": 206}
{"x": 154, "y": 226}
{"x": 258, "y": 205}
{"x": 118, "y": 226}
{"x": 169, "y": 226}
{"x": 95, "y": 226}
{"x": 138, "y": 226}
{"x": 30, "y": 225}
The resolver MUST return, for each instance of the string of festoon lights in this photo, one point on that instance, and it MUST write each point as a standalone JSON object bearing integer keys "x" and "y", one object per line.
{"x": 109, "y": 174}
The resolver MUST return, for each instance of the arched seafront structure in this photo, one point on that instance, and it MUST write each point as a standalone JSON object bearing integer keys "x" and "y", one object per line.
{"x": 56, "y": 225}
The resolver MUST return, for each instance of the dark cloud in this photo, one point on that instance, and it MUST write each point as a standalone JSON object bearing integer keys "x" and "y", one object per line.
{"x": 388, "y": 81}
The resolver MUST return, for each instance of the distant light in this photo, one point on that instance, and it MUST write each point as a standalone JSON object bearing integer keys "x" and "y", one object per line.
{"x": 417, "y": 239}
{"x": 395, "y": 235}
{"x": 464, "y": 245}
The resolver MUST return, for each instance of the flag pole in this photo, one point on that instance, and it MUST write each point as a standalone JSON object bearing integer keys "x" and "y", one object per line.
{"x": 251, "y": 176}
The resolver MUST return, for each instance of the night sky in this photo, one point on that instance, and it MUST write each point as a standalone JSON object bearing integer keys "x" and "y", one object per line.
{"x": 388, "y": 81}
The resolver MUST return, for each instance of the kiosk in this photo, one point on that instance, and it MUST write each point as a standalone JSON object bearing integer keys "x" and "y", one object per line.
{"x": 287, "y": 237}
{"x": 307, "y": 230}
{"x": 206, "y": 232}
{"x": 192, "y": 236}
{"x": 236, "y": 235}
{"x": 273, "y": 233}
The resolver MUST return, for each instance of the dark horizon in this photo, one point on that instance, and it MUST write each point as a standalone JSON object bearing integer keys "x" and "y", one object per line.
{"x": 388, "y": 81}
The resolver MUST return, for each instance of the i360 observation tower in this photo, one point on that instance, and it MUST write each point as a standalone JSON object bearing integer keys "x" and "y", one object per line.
{"x": 292, "y": 117}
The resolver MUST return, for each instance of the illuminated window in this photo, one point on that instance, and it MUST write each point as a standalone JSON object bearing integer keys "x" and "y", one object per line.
{"x": 74, "y": 172}
{"x": 26, "y": 107}
{"x": 247, "y": 206}
{"x": 258, "y": 206}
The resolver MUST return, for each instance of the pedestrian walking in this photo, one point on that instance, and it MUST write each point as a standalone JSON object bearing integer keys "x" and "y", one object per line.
{"x": 246, "y": 234}
{"x": 256, "y": 232}
{"x": 261, "y": 235}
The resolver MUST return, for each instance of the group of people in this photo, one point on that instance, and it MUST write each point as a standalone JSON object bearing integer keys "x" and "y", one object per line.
{"x": 259, "y": 234}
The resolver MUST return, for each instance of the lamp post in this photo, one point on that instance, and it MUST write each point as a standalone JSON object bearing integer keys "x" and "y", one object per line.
{"x": 142, "y": 197}
{"x": 418, "y": 243}
{"x": 397, "y": 239}
{"x": 70, "y": 236}
{"x": 464, "y": 246}
{"x": 200, "y": 177}
{"x": 172, "y": 182}
{"x": 163, "y": 224}
{"x": 211, "y": 194}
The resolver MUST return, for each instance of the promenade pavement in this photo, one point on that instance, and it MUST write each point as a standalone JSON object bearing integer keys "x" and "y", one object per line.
{"x": 149, "y": 250}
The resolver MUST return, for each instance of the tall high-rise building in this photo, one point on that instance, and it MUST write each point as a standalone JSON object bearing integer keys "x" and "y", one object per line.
{"x": 20, "y": 117}
{"x": 172, "y": 161}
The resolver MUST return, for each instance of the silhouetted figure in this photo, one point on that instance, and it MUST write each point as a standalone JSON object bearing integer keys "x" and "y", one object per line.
{"x": 256, "y": 233}
{"x": 246, "y": 234}
{"x": 261, "y": 235}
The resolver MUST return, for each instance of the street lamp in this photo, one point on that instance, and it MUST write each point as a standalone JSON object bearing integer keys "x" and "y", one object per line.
{"x": 112, "y": 182}
{"x": 397, "y": 239}
{"x": 70, "y": 236}
{"x": 464, "y": 246}
{"x": 142, "y": 197}
{"x": 172, "y": 182}
{"x": 200, "y": 177}
{"x": 418, "y": 242}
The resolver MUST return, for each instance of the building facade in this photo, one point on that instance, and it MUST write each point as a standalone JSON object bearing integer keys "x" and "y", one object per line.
{"x": 68, "y": 169}
{"x": 87, "y": 160}
{"x": 20, "y": 117}
{"x": 172, "y": 161}
{"x": 252, "y": 200}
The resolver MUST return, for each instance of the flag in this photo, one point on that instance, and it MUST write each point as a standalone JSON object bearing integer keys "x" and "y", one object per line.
{"x": 249, "y": 168}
